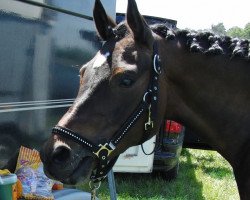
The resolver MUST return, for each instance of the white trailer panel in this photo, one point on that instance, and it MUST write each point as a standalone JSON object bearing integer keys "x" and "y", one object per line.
{"x": 135, "y": 161}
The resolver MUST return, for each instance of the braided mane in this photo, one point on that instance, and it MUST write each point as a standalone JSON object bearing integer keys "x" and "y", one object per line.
{"x": 206, "y": 42}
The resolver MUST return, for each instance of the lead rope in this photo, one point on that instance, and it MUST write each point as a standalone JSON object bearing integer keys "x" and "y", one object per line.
{"x": 94, "y": 186}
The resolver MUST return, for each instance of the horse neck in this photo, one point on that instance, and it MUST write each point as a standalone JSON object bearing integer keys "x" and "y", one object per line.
{"x": 208, "y": 94}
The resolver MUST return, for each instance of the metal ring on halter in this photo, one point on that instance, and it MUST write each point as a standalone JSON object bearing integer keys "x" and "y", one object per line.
{"x": 156, "y": 57}
{"x": 146, "y": 94}
{"x": 93, "y": 185}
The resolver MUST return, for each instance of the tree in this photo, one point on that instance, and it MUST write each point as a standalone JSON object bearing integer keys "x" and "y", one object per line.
{"x": 219, "y": 29}
{"x": 239, "y": 32}
{"x": 247, "y": 31}
{"x": 235, "y": 32}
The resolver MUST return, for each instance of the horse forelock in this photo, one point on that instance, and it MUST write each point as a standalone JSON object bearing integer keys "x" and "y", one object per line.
{"x": 206, "y": 42}
{"x": 121, "y": 30}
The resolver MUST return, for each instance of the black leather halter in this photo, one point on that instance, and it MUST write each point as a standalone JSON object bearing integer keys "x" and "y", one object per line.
{"x": 102, "y": 151}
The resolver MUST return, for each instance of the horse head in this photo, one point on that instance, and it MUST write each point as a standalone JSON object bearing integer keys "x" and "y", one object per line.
{"x": 119, "y": 89}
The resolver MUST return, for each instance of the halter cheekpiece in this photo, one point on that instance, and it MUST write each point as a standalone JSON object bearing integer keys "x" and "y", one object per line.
{"x": 102, "y": 151}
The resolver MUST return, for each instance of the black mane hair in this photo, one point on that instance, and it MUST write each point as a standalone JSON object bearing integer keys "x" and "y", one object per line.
{"x": 206, "y": 42}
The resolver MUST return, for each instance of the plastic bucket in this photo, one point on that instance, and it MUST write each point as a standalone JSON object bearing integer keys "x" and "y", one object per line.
{"x": 6, "y": 185}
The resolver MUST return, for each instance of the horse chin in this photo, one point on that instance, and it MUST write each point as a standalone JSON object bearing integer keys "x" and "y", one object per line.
{"x": 81, "y": 173}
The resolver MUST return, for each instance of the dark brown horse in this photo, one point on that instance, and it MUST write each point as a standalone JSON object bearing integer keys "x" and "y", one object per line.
{"x": 202, "y": 81}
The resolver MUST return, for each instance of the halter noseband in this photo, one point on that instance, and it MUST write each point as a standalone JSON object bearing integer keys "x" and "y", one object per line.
{"x": 102, "y": 151}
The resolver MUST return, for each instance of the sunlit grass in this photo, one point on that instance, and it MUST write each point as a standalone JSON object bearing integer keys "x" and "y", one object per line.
{"x": 203, "y": 175}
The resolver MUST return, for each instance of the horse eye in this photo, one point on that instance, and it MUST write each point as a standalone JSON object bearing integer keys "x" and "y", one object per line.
{"x": 126, "y": 82}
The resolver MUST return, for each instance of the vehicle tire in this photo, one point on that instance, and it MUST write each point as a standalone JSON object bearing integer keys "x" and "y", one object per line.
{"x": 171, "y": 174}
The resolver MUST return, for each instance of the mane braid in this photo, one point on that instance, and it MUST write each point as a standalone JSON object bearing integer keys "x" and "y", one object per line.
{"x": 206, "y": 42}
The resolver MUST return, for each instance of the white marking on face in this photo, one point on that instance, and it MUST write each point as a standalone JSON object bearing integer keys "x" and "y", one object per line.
{"x": 59, "y": 143}
{"x": 100, "y": 59}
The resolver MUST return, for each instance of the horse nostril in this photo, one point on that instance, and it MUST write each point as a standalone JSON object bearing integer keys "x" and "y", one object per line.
{"x": 61, "y": 154}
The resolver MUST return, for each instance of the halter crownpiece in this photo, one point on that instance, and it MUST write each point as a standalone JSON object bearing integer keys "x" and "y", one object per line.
{"x": 102, "y": 151}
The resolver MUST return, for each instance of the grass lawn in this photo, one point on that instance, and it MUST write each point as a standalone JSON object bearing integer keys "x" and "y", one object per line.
{"x": 202, "y": 175}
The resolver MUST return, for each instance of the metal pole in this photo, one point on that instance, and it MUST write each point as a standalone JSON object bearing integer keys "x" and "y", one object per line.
{"x": 112, "y": 188}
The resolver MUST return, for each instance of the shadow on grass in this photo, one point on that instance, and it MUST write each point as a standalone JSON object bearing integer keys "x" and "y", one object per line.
{"x": 217, "y": 172}
{"x": 153, "y": 186}
{"x": 209, "y": 164}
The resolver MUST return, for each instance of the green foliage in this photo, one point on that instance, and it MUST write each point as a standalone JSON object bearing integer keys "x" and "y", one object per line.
{"x": 247, "y": 31}
{"x": 235, "y": 32}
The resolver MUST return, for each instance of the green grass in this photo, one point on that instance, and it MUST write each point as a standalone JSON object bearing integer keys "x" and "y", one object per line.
{"x": 202, "y": 175}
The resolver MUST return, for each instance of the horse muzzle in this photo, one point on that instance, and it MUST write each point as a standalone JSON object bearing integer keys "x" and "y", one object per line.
{"x": 66, "y": 164}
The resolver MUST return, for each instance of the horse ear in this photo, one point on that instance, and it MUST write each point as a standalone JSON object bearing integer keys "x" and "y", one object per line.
{"x": 138, "y": 25}
{"x": 103, "y": 22}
